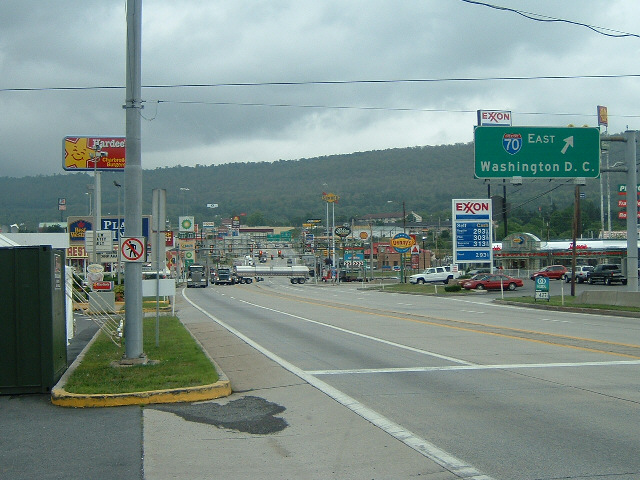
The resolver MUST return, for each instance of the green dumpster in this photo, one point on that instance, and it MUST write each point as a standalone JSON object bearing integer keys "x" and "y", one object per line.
{"x": 33, "y": 340}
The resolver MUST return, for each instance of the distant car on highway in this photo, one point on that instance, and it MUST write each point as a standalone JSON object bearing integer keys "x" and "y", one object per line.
{"x": 553, "y": 272}
{"x": 582, "y": 272}
{"x": 492, "y": 282}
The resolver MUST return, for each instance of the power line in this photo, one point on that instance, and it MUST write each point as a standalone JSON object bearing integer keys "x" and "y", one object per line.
{"x": 369, "y": 108}
{"x": 544, "y": 18}
{"x": 329, "y": 82}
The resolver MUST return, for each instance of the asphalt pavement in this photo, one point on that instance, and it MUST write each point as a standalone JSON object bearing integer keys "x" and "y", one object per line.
{"x": 43, "y": 441}
{"x": 273, "y": 426}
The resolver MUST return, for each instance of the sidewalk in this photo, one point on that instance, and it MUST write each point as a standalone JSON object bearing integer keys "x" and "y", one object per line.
{"x": 274, "y": 426}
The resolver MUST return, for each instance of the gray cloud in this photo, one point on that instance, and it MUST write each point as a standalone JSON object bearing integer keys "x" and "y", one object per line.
{"x": 82, "y": 43}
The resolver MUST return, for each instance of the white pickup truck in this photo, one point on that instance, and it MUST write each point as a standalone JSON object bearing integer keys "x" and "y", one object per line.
{"x": 436, "y": 275}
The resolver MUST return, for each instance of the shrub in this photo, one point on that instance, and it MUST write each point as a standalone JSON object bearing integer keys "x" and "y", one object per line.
{"x": 452, "y": 288}
{"x": 119, "y": 292}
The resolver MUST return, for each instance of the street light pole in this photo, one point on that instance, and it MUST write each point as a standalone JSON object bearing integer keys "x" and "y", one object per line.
{"x": 133, "y": 181}
{"x": 183, "y": 190}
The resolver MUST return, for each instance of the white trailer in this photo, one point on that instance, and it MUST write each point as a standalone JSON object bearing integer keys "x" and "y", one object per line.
{"x": 297, "y": 273}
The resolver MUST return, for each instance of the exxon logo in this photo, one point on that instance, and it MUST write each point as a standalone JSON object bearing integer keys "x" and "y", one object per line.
{"x": 472, "y": 207}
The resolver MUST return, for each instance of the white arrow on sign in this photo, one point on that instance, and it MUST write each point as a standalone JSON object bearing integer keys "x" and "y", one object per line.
{"x": 568, "y": 142}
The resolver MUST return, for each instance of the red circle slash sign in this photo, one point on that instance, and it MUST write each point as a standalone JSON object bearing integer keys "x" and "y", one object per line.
{"x": 132, "y": 249}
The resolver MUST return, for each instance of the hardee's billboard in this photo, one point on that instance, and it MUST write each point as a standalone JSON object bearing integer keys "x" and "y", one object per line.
{"x": 89, "y": 153}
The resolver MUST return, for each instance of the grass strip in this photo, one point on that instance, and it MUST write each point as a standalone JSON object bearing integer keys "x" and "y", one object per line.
{"x": 569, "y": 301}
{"x": 177, "y": 362}
{"x": 554, "y": 301}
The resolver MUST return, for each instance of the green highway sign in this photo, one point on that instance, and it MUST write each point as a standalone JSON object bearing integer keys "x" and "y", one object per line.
{"x": 537, "y": 152}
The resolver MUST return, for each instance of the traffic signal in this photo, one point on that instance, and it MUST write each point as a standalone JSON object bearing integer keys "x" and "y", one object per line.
{"x": 280, "y": 253}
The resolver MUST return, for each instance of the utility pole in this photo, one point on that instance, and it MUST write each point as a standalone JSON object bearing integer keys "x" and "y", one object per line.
{"x": 576, "y": 227}
{"x": 133, "y": 183}
{"x": 630, "y": 137}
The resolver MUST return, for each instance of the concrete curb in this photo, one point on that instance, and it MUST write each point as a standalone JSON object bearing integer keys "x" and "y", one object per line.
{"x": 62, "y": 398}
{"x": 559, "y": 308}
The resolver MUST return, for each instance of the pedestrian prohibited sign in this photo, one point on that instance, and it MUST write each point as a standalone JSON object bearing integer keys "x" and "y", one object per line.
{"x": 133, "y": 249}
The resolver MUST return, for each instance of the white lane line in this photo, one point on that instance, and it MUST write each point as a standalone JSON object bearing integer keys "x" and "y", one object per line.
{"x": 444, "y": 459}
{"x": 513, "y": 366}
{"x": 363, "y": 335}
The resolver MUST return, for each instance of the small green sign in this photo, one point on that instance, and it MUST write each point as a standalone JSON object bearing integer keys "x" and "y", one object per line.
{"x": 537, "y": 152}
{"x": 542, "y": 288}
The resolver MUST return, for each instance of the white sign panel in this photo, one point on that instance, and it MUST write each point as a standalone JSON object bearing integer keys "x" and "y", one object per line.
{"x": 167, "y": 287}
{"x": 187, "y": 224}
{"x": 487, "y": 118}
{"x": 104, "y": 241}
{"x": 472, "y": 231}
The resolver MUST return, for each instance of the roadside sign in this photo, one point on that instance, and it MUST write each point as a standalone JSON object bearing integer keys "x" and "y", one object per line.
{"x": 102, "y": 286}
{"x": 402, "y": 243}
{"x": 330, "y": 197}
{"x": 89, "y": 153}
{"x": 472, "y": 230}
{"x": 537, "y": 152}
{"x": 622, "y": 189}
{"x": 342, "y": 231}
{"x": 187, "y": 224}
{"x": 494, "y": 118}
{"x": 103, "y": 241}
{"x": 542, "y": 288}
{"x": 133, "y": 249}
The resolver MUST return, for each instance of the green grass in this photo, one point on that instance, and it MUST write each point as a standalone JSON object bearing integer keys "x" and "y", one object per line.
{"x": 180, "y": 363}
{"x": 569, "y": 301}
{"x": 554, "y": 301}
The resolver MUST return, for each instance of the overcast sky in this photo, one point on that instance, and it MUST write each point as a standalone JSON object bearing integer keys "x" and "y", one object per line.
{"x": 81, "y": 43}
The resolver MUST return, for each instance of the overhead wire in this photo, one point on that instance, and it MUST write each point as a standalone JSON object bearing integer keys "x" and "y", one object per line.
{"x": 608, "y": 32}
{"x": 328, "y": 82}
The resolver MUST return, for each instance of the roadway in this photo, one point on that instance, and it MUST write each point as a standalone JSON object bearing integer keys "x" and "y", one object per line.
{"x": 516, "y": 393}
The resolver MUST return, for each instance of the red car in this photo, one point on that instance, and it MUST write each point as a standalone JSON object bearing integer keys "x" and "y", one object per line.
{"x": 554, "y": 272}
{"x": 492, "y": 282}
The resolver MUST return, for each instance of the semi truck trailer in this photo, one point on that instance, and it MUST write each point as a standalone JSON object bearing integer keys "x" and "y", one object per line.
{"x": 296, "y": 273}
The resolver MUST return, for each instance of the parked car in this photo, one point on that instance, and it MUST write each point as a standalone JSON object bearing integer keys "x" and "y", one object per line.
{"x": 553, "y": 272}
{"x": 492, "y": 282}
{"x": 435, "y": 275}
{"x": 582, "y": 271}
{"x": 606, "y": 273}
{"x": 476, "y": 271}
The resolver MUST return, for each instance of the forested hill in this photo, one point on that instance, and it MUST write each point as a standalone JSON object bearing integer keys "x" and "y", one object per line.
{"x": 289, "y": 192}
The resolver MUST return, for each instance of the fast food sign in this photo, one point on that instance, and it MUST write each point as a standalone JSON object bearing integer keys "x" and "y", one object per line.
{"x": 89, "y": 153}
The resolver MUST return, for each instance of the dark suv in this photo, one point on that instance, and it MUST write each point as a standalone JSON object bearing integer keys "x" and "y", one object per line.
{"x": 555, "y": 272}
{"x": 606, "y": 273}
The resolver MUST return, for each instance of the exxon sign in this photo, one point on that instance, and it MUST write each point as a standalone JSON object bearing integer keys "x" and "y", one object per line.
{"x": 494, "y": 117}
{"x": 472, "y": 207}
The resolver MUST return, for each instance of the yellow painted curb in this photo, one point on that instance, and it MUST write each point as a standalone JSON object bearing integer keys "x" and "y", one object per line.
{"x": 62, "y": 398}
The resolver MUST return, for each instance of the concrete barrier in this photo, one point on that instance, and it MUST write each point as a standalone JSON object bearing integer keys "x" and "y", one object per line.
{"x": 604, "y": 297}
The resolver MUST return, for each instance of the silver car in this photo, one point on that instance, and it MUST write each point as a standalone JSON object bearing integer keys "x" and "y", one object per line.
{"x": 581, "y": 273}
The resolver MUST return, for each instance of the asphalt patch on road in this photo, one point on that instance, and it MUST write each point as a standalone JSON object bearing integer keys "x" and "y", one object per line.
{"x": 248, "y": 414}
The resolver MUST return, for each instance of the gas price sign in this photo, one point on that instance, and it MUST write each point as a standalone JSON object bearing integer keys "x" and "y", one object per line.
{"x": 472, "y": 231}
